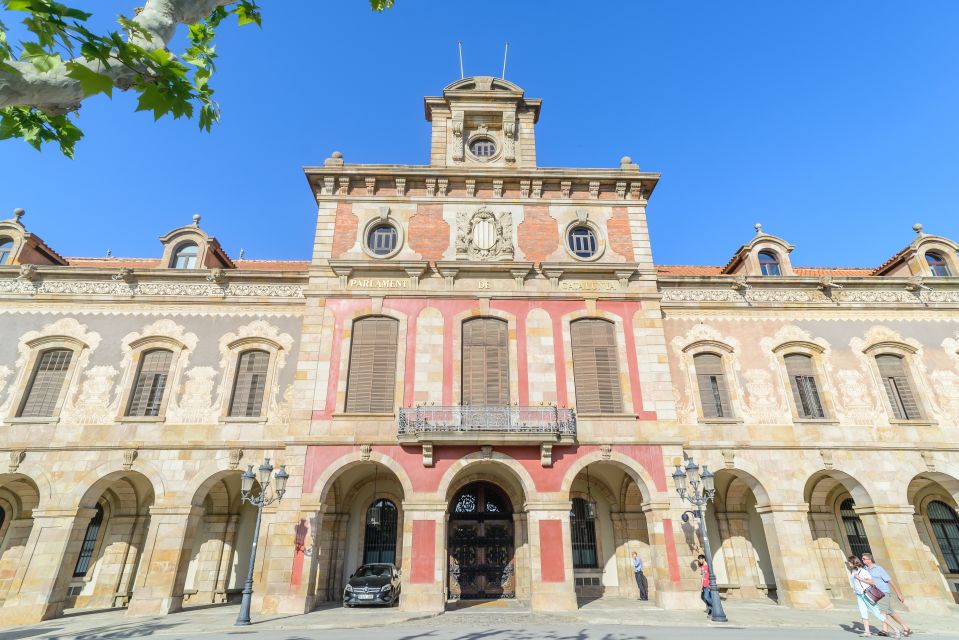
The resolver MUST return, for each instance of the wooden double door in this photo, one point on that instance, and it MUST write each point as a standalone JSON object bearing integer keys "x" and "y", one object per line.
{"x": 481, "y": 544}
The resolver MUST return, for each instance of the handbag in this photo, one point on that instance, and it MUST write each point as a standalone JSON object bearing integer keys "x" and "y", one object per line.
{"x": 873, "y": 593}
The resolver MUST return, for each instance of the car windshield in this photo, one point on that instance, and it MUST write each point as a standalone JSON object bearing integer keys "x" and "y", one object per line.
{"x": 372, "y": 570}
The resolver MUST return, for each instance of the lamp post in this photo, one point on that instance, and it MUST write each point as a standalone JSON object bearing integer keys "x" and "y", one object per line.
{"x": 264, "y": 498}
{"x": 699, "y": 489}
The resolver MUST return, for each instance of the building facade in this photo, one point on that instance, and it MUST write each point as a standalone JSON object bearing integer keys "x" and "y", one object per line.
{"x": 481, "y": 376}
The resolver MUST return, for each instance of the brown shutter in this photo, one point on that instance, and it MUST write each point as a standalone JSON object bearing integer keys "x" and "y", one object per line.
{"x": 802, "y": 381}
{"x": 892, "y": 370}
{"x": 150, "y": 384}
{"x": 596, "y": 367}
{"x": 46, "y": 384}
{"x": 371, "y": 383}
{"x": 250, "y": 383}
{"x": 485, "y": 362}
{"x": 711, "y": 380}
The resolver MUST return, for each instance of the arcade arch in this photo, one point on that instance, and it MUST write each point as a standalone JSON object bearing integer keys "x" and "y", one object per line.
{"x": 19, "y": 496}
{"x": 935, "y": 498}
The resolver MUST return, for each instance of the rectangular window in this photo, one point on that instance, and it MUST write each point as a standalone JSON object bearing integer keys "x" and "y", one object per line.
{"x": 370, "y": 386}
{"x": 147, "y": 396}
{"x": 899, "y": 391}
{"x": 250, "y": 384}
{"x": 485, "y": 363}
{"x": 596, "y": 366}
{"x": 713, "y": 394}
{"x": 46, "y": 384}
{"x": 89, "y": 544}
{"x": 802, "y": 380}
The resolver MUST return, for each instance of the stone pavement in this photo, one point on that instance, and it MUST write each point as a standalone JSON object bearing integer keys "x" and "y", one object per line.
{"x": 607, "y": 611}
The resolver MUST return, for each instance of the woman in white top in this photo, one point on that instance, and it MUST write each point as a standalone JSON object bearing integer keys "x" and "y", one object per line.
{"x": 860, "y": 580}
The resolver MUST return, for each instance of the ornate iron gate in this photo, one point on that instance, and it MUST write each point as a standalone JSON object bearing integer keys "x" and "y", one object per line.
{"x": 481, "y": 544}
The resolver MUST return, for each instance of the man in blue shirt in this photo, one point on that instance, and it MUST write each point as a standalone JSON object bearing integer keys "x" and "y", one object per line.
{"x": 640, "y": 578}
{"x": 882, "y": 580}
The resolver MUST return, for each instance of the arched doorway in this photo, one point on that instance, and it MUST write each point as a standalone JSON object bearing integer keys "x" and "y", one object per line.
{"x": 935, "y": 497}
{"x": 379, "y": 540}
{"x": 481, "y": 543}
{"x": 19, "y": 496}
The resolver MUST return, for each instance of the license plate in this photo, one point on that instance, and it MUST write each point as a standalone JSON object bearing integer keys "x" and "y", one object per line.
{"x": 366, "y": 596}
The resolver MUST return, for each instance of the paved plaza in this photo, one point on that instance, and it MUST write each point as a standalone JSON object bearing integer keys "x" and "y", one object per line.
{"x": 605, "y": 619}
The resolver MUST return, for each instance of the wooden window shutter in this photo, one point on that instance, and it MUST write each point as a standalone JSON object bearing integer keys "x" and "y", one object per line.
{"x": 892, "y": 370}
{"x": 711, "y": 380}
{"x": 596, "y": 367}
{"x": 802, "y": 381}
{"x": 249, "y": 383}
{"x": 46, "y": 384}
{"x": 371, "y": 383}
{"x": 485, "y": 362}
{"x": 150, "y": 383}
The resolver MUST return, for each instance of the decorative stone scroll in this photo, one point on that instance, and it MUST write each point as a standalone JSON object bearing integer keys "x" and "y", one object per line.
{"x": 484, "y": 235}
{"x": 546, "y": 454}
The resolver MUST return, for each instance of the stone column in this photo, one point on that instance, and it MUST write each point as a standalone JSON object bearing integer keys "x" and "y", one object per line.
{"x": 39, "y": 585}
{"x": 521, "y": 574}
{"x": 281, "y": 582}
{"x": 624, "y": 558}
{"x": 674, "y": 545}
{"x": 108, "y": 568}
{"x": 124, "y": 588}
{"x": 158, "y": 588}
{"x": 551, "y": 557}
{"x": 227, "y": 548}
{"x": 829, "y": 551}
{"x": 16, "y": 537}
{"x": 424, "y": 557}
{"x": 798, "y": 580}
{"x": 739, "y": 553}
{"x": 906, "y": 558}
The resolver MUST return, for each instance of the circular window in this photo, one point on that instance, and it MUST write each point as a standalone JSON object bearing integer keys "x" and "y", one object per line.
{"x": 582, "y": 242}
{"x": 382, "y": 239}
{"x": 483, "y": 148}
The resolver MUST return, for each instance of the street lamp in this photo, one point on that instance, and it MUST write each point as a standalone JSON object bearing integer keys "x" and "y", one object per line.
{"x": 698, "y": 489}
{"x": 264, "y": 498}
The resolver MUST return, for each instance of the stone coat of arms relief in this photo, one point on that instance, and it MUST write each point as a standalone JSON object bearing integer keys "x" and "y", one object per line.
{"x": 484, "y": 235}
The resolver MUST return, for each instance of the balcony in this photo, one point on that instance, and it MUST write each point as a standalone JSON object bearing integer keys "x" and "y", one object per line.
{"x": 487, "y": 425}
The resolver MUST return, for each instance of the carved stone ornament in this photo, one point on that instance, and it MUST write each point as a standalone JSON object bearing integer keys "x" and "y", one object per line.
{"x": 235, "y": 456}
{"x": 484, "y": 235}
{"x": 929, "y": 459}
{"x": 125, "y": 274}
{"x": 486, "y": 451}
{"x": 29, "y": 272}
{"x": 546, "y": 454}
{"x": 365, "y": 451}
{"x": 16, "y": 457}
{"x": 427, "y": 454}
{"x": 370, "y": 182}
{"x": 470, "y": 187}
{"x": 826, "y": 455}
{"x": 401, "y": 186}
{"x": 217, "y": 276}
{"x": 176, "y": 289}
{"x": 129, "y": 456}
{"x": 457, "y": 130}
{"x": 606, "y": 451}
{"x": 729, "y": 458}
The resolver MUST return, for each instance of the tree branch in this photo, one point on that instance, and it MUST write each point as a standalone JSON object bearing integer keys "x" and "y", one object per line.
{"x": 56, "y": 93}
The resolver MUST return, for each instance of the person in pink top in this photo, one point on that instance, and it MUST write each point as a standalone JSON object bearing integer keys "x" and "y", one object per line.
{"x": 706, "y": 594}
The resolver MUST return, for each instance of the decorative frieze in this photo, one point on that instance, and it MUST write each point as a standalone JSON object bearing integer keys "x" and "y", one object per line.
{"x": 749, "y": 294}
{"x": 177, "y": 289}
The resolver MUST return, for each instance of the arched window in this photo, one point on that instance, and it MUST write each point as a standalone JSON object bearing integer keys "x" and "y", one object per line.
{"x": 370, "y": 384}
{"x": 185, "y": 256}
{"x": 711, "y": 379}
{"x": 583, "y": 536}
{"x": 150, "y": 383}
{"x": 249, "y": 384}
{"x": 945, "y": 525}
{"x": 6, "y": 251}
{"x": 802, "y": 379}
{"x": 596, "y": 366}
{"x": 46, "y": 384}
{"x": 89, "y": 544}
{"x": 892, "y": 370}
{"x": 485, "y": 362}
{"x": 769, "y": 264}
{"x": 937, "y": 264}
{"x": 855, "y": 532}
{"x": 379, "y": 543}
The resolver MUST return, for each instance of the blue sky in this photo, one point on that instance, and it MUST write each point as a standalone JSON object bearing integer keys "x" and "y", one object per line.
{"x": 832, "y": 123}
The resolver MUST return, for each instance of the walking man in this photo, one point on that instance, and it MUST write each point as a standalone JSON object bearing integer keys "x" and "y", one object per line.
{"x": 705, "y": 595}
{"x": 886, "y": 584}
{"x": 640, "y": 578}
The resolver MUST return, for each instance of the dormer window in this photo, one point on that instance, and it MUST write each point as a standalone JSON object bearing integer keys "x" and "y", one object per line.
{"x": 936, "y": 261}
{"x": 483, "y": 148}
{"x": 769, "y": 264}
{"x": 185, "y": 256}
{"x": 6, "y": 251}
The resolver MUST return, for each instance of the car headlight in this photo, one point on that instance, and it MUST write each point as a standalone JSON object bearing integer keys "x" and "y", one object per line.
{"x": 349, "y": 588}
{"x": 386, "y": 587}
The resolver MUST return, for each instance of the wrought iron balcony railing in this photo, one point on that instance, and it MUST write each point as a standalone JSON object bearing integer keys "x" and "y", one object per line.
{"x": 420, "y": 423}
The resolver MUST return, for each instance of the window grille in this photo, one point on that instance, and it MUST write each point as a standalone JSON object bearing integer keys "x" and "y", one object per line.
{"x": 46, "y": 384}
{"x": 802, "y": 380}
{"x": 945, "y": 525}
{"x": 89, "y": 544}
{"x": 855, "y": 532}
{"x": 596, "y": 366}
{"x": 379, "y": 543}
{"x": 249, "y": 385}
{"x": 583, "y": 535}
{"x": 582, "y": 242}
{"x": 370, "y": 386}
{"x": 713, "y": 394}
{"x": 485, "y": 362}
{"x": 185, "y": 256}
{"x": 892, "y": 370}
{"x": 769, "y": 264}
{"x": 152, "y": 374}
{"x": 382, "y": 239}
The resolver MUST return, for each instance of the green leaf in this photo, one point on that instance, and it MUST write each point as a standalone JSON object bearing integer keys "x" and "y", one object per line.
{"x": 90, "y": 81}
